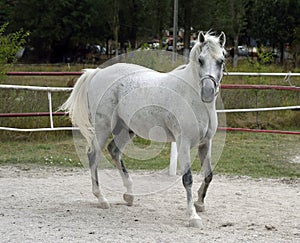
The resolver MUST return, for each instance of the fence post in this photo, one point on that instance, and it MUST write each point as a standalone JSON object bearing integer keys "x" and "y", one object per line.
{"x": 50, "y": 109}
{"x": 173, "y": 159}
{"x": 256, "y": 113}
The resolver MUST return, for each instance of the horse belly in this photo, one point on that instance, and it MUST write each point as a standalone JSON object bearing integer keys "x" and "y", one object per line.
{"x": 149, "y": 123}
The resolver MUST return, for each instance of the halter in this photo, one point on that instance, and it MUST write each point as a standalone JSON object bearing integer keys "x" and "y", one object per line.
{"x": 210, "y": 77}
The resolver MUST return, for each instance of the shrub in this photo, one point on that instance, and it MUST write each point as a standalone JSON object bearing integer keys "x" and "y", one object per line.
{"x": 10, "y": 44}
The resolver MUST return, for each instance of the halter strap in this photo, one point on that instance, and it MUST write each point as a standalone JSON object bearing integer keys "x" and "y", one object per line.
{"x": 209, "y": 77}
{"x": 213, "y": 80}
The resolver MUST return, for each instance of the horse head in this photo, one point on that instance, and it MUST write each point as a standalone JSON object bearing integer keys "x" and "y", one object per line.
{"x": 208, "y": 57}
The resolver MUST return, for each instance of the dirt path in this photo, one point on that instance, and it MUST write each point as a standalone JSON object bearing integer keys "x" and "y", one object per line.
{"x": 56, "y": 205}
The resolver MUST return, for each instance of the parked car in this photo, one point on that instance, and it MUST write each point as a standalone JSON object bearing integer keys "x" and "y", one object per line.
{"x": 243, "y": 51}
{"x": 150, "y": 45}
{"x": 169, "y": 45}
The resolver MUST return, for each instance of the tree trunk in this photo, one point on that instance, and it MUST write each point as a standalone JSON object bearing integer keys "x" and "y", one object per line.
{"x": 187, "y": 27}
{"x": 235, "y": 56}
{"x": 116, "y": 25}
{"x": 282, "y": 54}
{"x": 175, "y": 28}
{"x": 133, "y": 28}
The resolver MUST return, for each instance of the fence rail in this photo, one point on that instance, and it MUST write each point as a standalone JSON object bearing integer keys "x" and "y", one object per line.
{"x": 173, "y": 155}
{"x": 259, "y": 87}
{"x": 289, "y": 74}
{"x": 43, "y": 73}
{"x": 49, "y": 91}
{"x": 35, "y": 88}
{"x": 32, "y": 114}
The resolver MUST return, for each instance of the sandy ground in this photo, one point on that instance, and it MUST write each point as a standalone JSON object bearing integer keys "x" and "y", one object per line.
{"x": 56, "y": 205}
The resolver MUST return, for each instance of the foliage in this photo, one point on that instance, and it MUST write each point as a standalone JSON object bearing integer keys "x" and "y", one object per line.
{"x": 10, "y": 44}
{"x": 61, "y": 29}
{"x": 265, "y": 57}
{"x": 274, "y": 21}
{"x": 57, "y": 26}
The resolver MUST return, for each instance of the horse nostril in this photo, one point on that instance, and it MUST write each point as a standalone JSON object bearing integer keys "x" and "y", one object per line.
{"x": 207, "y": 94}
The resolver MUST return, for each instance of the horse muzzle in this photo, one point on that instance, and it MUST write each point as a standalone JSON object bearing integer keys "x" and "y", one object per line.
{"x": 208, "y": 88}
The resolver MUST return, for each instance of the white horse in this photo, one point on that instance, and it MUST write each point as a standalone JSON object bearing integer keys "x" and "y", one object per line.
{"x": 127, "y": 99}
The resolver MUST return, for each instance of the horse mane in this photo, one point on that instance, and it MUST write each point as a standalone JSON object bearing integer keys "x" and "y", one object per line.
{"x": 212, "y": 43}
{"x": 181, "y": 67}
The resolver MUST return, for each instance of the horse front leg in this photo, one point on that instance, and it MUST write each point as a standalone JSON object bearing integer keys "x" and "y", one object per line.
{"x": 204, "y": 151}
{"x": 187, "y": 180}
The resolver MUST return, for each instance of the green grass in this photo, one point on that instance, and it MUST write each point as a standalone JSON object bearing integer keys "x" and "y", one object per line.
{"x": 31, "y": 101}
{"x": 246, "y": 66}
{"x": 255, "y": 155}
{"x": 260, "y": 155}
{"x": 60, "y": 152}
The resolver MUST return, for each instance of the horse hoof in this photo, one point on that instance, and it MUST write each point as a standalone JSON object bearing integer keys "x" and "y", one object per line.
{"x": 196, "y": 223}
{"x": 104, "y": 204}
{"x": 199, "y": 207}
{"x": 128, "y": 198}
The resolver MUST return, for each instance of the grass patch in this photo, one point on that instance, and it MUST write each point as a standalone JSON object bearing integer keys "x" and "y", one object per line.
{"x": 32, "y": 101}
{"x": 255, "y": 155}
{"x": 40, "y": 152}
{"x": 260, "y": 155}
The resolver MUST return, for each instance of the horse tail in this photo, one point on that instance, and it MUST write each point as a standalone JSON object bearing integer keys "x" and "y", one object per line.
{"x": 78, "y": 108}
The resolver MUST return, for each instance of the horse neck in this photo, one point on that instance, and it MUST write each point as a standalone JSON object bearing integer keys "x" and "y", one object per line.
{"x": 185, "y": 72}
{"x": 194, "y": 79}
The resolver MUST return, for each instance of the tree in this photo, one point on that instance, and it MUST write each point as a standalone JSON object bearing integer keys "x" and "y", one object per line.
{"x": 4, "y": 5}
{"x": 10, "y": 44}
{"x": 275, "y": 22}
{"x": 130, "y": 13}
{"x": 114, "y": 23}
{"x": 187, "y": 8}
{"x": 238, "y": 22}
{"x": 230, "y": 16}
{"x": 222, "y": 15}
{"x": 58, "y": 27}
{"x": 157, "y": 17}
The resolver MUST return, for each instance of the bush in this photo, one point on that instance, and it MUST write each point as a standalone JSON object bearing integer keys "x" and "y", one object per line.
{"x": 10, "y": 44}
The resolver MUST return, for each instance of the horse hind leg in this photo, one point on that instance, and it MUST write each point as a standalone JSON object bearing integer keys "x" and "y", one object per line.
{"x": 115, "y": 148}
{"x": 205, "y": 158}
{"x": 94, "y": 158}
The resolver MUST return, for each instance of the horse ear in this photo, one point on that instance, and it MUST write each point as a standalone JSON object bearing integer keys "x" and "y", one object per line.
{"x": 201, "y": 37}
{"x": 222, "y": 39}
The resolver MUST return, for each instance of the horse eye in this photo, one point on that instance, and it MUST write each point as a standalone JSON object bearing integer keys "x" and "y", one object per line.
{"x": 220, "y": 62}
{"x": 201, "y": 61}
